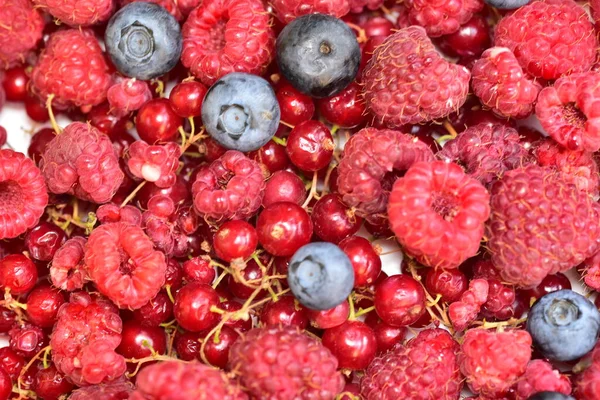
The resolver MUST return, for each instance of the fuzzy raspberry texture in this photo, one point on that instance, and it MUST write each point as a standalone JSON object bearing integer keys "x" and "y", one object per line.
{"x": 425, "y": 368}
{"x": 119, "y": 389}
{"x": 288, "y": 10}
{"x": 187, "y": 6}
{"x": 408, "y": 82}
{"x": 587, "y": 384}
{"x": 484, "y": 362}
{"x": 123, "y": 264}
{"x": 154, "y": 163}
{"x": 500, "y": 84}
{"x": 82, "y": 161}
{"x": 224, "y": 36}
{"x": 465, "y": 310}
{"x": 112, "y": 212}
{"x": 127, "y": 95}
{"x": 23, "y": 195}
{"x": 442, "y": 17}
{"x": 78, "y": 12}
{"x": 550, "y": 38}
{"x": 358, "y": 6}
{"x": 72, "y": 67}
{"x": 590, "y": 271}
{"x": 67, "y": 270}
{"x": 438, "y": 201}
{"x": 541, "y": 377}
{"x": 569, "y": 111}
{"x": 595, "y": 8}
{"x": 232, "y": 187}
{"x": 284, "y": 364}
{"x": 486, "y": 151}
{"x": 170, "y": 5}
{"x": 540, "y": 224}
{"x": 20, "y": 31}
{"x": 84, "y": 339}
{"x": 369, "y": 156}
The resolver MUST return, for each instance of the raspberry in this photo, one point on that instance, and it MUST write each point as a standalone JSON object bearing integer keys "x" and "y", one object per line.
{"x": 186, "y": 6}
{"x": 82, "y": 161}
{"x": 169, "y": 5}
{"x": 284, "y": 364}
{"x": 232, "y": 187}
{"x": 123, "y": 264}
{"x": 157, "y": 163}
{"x": 115, "y": 390}
{"x": 500, "y": 84}
{"x": 540, "y": 377}
{"x": 368, "y": 156}
{"x": 569, "y": 111}
{"x": 465, "y": 310}
{"x": 224, "y": 36}
{"x": 408, "y": 82}
{"x": 21, "y": 30}
{"x": 358, "y": 6}
{"x": 128, "y": 95}
{"x": 78, "y": 12}
{"x": 68, "y": 271}
{"x": 179, "y": 380}
{"x": 425, "y": 368}
{"x": 287, "y": 10}
{"x": 591, "y": 271}
{"x": 439, "y": 202}
{"x": 500, "y": 300}
{"x": 588, "y": 382}
{"x": 550, "y": 38}
{"x": 73, "y": 69}
{"x": 111, "y": 212}
{"x": 540, "y": 224}
{"x": 26, "y": 339}
{"x": 595, "y": 6}
{"x": 86, "y": 333}
{"x": 23, "y": 195}
{"x": 486, "y": 151}
{"x": 441, "y": 17}
{"x": 484, "y": 363}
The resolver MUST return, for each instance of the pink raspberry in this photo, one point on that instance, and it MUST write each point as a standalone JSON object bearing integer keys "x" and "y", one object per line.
{"x": 78, "y": 12}
{"x": 499, "y": 304}
{"x": 154, "y": 163}
{"x": 569, "y": 111}
{"x": 187, "y": 6}
{"x": 408, "y": 82}
{"x": 500, "y": 84}
{"x": 587, "y": 384}
{"x": 465, "y": 310}
{"x": 84, "y": 338}
{"x": 358, "y": 6}
{"x": 123, "y": 264}
{"x": 128, "y": 95}
{"x": 541, "y": 377}
{"x": 442, "y": 17}
{"x": 287, "y": 10}
{"x": 82, "y": 161}
{"x": 111, "y": 212}
{"x": 119, "y": 389}
{"x": 68, "y": 271}
{"x": 224, "y": 36}
{"x": 590, "y": 270}
{"x": 232, "y": 187}
{"x": 550, "y": 38}
{"x": 23, "y": 195}
{"x": 73, "y": 69}
{"x": 21, "y": 30}
{"x": 170, "y": 5}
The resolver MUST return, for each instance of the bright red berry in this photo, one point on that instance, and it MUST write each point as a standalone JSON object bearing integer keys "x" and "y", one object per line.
{"x": 332, "y": 220}
{"x": 235, "y": 239}
{"x": 283, "y": 228}
{"x": 156, "y": 121}
{"x": 18, "y": 274}
{"x": 187, "y": 97}
{"x": 192, "y": 308}
{"x": 353, "y": 343}
{"x": 310, "y": 146}
{"x": 399, "y": 300}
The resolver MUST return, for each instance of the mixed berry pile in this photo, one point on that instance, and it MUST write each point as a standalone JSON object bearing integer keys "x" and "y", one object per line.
{"x": 209, "y": 218}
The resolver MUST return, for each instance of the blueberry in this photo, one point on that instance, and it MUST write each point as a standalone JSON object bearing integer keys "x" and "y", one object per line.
{"x": 318, "y": 54}
{"x": 143, "y": 40}
{"x": 564, "y": 325}
{"x": 550, "y": 396}
{"x": 320, "y": 275}
{"x": 507, "y": 4}
{"x": 241, "y": 112}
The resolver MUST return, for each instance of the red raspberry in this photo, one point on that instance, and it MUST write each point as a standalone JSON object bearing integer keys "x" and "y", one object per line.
{"x": 408, "y": 82}
{"x": 157, "y": 163}
{"x": 123, "y": 264}
{"x": 425, "y": 368}
{"x": 179, "y": 380}
{"x": 591, "y": 271}
{"x": 287, "y": 10}
{"x": 115, "y": 390}
{"x": 68, "y": 271}
{"x": 368, "y": 156}
{"x": 465, "y": 310}
{"x": 72, "y": 67}
{"x": 484, "y": 363}
{"x": 284, "y": 364}
{"x": 23, "y": 195}
{"x": 486, "y": 151}
{"x": 595, "y": 6}
{"x": 232, "y": 187}
{"x": 358, "y": 6}
{"x": 82, "y": 161}
{"x": 540, "y": 377}
{"x": 21, "y": 30}
{"x": 499, "y": 304}
{"x": 111, "y": 212}
{"x": 569, "y": 111}
{"x": 540, "y": 224}
{"x": 550, "y": 38}
{"x": 78, "y": 12}
{"x": 169, "y": 5}
{"x": 26, "y": 339}
{"x": 224, "y": 36}
{"x": 501, "y": 85}
{"x": 128, "y": 95}
{"x": 87, "y": 332}
{"x": 442, "y": 17}
{"x": 588, "y": 382}
{"x": 187, "y": 6}
{"x": 438, "y": 213}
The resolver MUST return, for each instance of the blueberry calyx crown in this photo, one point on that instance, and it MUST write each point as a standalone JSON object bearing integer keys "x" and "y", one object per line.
{"x": 137, "y": 42}
{"x": 234, "y": 120}
{"x": 562, "y": 312}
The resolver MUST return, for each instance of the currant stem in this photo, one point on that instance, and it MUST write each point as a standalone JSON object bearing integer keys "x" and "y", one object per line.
{"x": 279, "y": 141}
{"x": 132, "y": 194}
{"x": 55, "y": 126}
{"x": 313, "y": 190}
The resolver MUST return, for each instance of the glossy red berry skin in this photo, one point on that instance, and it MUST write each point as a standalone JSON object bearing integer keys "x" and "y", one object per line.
{"x": 179, "y": 192}
{"x": 36, "y": 110}
{"x": 399, "y": 300}
{"x": 157, "y": 121}
{"x": 106, "y": 122}
{"x": 187, "y": 345}
{"x": 387, "y": 336}
{"x": 471, "y": 39}
{"x": 235, "y": 239}
{"x": 43, "y": 303}
{"x": 346, "y": 109}
{"x": 251, "y": 274}
{"x": 7, "y": 319}
{"x": 310, "y": 146}
{"x": 353, "y": 343}
{"x": 174, "y": 275}
{"x": 332, "y": 220}
{"x": 3, "y": 134}
{"x": 43, "y": 240}
{"x": 365, "y": 261}
{"x": 155, "y": 312}
{"x": 329, "y": 318}
{"x": 284, "y": 186}
{"x": 551, "y": 283}
{"x": 187, "y": 97}
{"x": 273, "y": 156}
{"x": 15, "y": 84}
{"x": 5, "y": 385}
{"x": 138, "y": 341}
{"x": 450, "y": 284}
{"x": 295, "y": 107}
{"x": 217, "y": 352}
{"x": 49, "y": 384}
{"x": 199, "y": 270}
{"x": 283, "y": 228}
{"x": 11, "y": 362}
{"x": 239, "y": 325}
{"x": 192, "y": 307}
{"x": 17, "y": 273}
{"x": 284, "y": 312}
